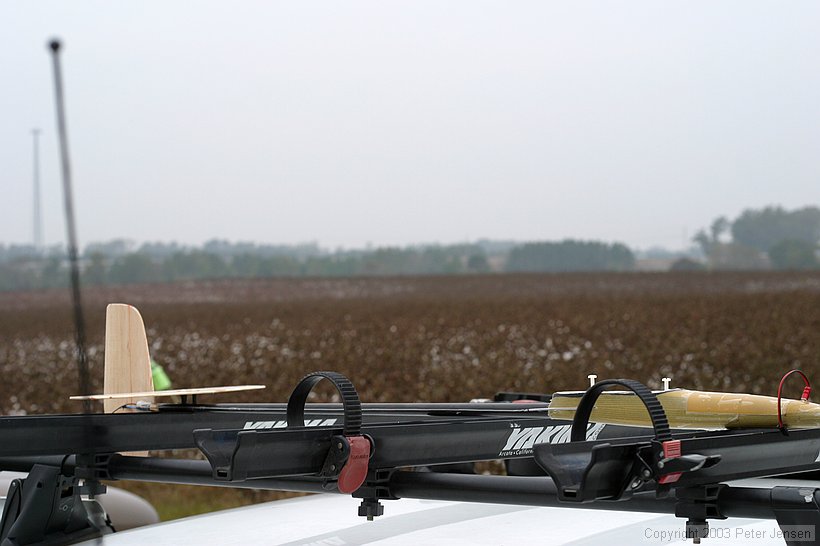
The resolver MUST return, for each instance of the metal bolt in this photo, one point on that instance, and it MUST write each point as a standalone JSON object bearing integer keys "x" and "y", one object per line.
{"x": 666, "y": 382}
{"x": 339, "y": 446}
{"x": 592, "y": 377}
{"x": 660, "y": 464}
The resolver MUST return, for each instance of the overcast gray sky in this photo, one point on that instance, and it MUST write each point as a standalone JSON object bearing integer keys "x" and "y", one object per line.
{"x": 402, "y": 122}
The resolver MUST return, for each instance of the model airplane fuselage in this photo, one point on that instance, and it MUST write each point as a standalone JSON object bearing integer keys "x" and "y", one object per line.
{"x": 693, "y": 409}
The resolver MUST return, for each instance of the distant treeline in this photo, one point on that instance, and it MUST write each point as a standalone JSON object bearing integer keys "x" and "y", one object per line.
{"x": 768, "y": 238}
{"x": 117, "y": 262}
{"x": 571, "y": 256}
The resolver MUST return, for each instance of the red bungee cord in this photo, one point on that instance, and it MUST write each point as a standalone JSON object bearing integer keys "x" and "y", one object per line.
{"x": 804, "y": 397}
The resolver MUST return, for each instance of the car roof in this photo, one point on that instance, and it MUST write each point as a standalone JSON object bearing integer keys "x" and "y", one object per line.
{"x": 330, "y": 520}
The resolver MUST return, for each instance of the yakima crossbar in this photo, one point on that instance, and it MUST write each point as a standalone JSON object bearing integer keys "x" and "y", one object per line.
{"x": 609, "y": 470}
{"x": 364, "y": 450}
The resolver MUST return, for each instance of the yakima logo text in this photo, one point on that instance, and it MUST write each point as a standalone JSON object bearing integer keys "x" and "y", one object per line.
{"x": 258, "y": 425}
{"x": 521, "y": 439}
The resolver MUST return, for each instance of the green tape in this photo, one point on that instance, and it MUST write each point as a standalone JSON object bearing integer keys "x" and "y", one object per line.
{"x": 161, "y": 380}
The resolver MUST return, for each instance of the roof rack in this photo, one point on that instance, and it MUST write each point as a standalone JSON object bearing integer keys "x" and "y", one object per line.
{"x": 365, "y": 451}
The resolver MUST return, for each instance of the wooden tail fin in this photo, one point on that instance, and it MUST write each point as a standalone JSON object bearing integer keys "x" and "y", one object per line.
{"x": 127, "y": 361}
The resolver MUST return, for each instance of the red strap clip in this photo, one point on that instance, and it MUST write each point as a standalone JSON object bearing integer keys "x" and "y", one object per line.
{"x": 671, "y": 450}
{"x": 355, "y": 469}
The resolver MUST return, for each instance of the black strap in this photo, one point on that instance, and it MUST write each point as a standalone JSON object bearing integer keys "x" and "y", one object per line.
{"x": 587, "y": 403}
{"x": 350, "y": 401}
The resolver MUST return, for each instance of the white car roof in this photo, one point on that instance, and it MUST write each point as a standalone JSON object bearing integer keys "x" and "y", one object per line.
{"x": 332, "y": 520}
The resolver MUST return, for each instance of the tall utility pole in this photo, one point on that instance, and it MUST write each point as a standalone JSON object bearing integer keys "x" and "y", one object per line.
{"x": 38, "y": 223}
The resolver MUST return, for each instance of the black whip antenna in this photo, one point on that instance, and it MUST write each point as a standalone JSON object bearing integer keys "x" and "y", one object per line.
{"x": 79, "y": 321}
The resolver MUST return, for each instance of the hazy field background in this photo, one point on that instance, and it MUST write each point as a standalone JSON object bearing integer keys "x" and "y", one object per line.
{"x": 438, "y": 339}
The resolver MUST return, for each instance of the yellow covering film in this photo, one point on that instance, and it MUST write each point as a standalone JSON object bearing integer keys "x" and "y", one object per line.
{"x": 692, "y": 409}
